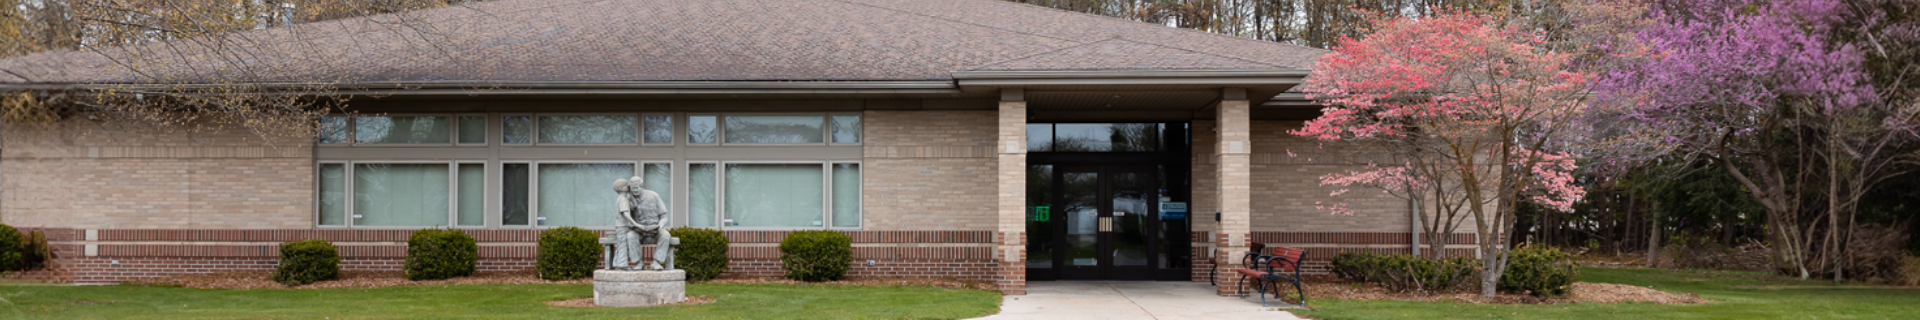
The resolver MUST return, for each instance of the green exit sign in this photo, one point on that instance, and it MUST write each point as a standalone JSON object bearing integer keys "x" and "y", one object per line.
{"x": 1040, "y": 213}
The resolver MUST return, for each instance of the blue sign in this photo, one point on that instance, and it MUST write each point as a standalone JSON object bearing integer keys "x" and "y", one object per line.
{"x": 1173, "y": 211}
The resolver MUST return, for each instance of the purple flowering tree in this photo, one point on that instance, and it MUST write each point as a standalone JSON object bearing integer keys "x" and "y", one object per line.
{"x": 1758, "y": 89}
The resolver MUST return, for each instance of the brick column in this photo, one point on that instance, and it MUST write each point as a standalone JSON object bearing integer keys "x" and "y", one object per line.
{"x": 1234, "y": 175}
{"x": 1011, "y": 247}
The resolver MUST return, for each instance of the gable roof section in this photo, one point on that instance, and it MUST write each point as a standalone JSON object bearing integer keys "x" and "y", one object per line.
{"x": 679, "y": 40}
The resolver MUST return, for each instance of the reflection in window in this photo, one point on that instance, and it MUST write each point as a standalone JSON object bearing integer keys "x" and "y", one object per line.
{"x": 1040, "y": 215}
{"x": 702, "y": 130}
{"x": 516, "y": 129}
{"x": 700, "y": 194}
{"x": 846, "y": 129}
{"x": 1039, "y": 137}
{"x": 1106, "y": 137}
{"x": 579, "y": 194}
{"x": 473, "y": 129}
{"x": 333, "y": 194}
{"x": 659, "y": 179}
{"x": 333, "y": 129}
{"x": 774, "y": 129}
{"x": 846, "y": 194}
{"x": 472, "y": 196}
{"x": 774, "y": 195}
{"x": 400, "y": 194}
{"x": 588, "y": 129}
{"x": 401, "y": 129}
{"x": 659, "y": 129}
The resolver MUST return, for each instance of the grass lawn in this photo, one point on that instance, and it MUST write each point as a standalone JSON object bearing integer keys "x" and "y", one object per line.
{"x": 1783, "y": 299}
{"x": 732, "y": 301}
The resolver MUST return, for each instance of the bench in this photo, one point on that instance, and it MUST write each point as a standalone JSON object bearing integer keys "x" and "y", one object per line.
{"x": 608, "y": 243}
{"x": 1269, "y": 270}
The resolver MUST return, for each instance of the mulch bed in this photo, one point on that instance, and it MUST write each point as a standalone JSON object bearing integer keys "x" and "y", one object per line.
{"x": 1327, "y": 286}
{"x": 588, "y": 302}
{"x": 379, "y": 279}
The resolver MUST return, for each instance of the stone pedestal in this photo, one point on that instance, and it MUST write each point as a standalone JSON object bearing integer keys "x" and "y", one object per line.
{"x": 636, "y": 288}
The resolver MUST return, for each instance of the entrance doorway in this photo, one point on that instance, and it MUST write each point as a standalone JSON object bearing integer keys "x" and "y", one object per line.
{"x": 1109, "y": 209}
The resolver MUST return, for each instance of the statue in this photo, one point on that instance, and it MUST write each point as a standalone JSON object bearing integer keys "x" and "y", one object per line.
{"x": 643, "y": 218}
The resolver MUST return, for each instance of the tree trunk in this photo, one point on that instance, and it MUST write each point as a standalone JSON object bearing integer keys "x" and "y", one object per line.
{"x": 1653, "y": 236}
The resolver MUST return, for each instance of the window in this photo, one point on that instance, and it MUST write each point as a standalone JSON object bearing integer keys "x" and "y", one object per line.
{"x": 702, "y": 186}
{"x": 1039, "y": 137}
{"x": 333, "y": 130}
{"x": 588, "y": 129}
{"x": 401, "y": 130}
{"x": 701, "y": 129}
{"x": 774, "y": 129}
{"x": 846, "y": 128}
{"x": 774, "y": 195}
{"x": 846, "y": 195}
{"x": 472, "y": 196}
{"x": 333, "y": 194}
{"x": 659, "y": 129}
{"x": 1096, "y": 137}
{"x": 516, "y": 194}
{"x": 516, "y": 129}
{"x": 400, "y": 194}
{"x": 578, "y": 194}
{"x": 473, "y": 129}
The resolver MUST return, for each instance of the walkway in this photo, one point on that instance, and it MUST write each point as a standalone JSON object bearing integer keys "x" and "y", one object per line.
{"x": 1126, "y": 300}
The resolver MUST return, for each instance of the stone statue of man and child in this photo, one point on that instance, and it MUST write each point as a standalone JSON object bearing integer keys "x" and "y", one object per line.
{"x": 643, "y": 218}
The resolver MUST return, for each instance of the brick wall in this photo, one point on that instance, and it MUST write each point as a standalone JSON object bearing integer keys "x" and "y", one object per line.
{"x": 94, "y": 177}
{"x": 929, "y": 170}
{"x": 1286, "y": 184}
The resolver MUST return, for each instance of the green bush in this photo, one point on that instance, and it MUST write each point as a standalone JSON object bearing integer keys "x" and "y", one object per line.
{"x": 37, "y": 253}
{"x": 306, "y": 261}
{"x": 1542, "y": 271}
{"x": 816, "y": 255}
{"x": 440, "y": 253}
{"x": 11, "y": 246}
{"x": 702, "y": 252}
{"x": 567, "y": 253}
{"x": 1404, "y": 272}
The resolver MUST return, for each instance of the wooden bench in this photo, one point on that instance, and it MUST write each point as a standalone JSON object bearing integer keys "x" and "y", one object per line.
{"x": 1269, "y": 269}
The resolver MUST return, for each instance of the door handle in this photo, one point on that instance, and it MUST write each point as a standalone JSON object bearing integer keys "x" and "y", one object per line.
{"x": 1106, "y": 224}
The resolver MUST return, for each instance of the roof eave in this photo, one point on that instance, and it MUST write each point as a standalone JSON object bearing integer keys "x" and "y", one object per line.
{"x": 1275, "y": 77}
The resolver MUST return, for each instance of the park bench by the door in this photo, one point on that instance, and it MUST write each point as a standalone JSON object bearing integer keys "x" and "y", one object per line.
{"x": 1270, "y": 270}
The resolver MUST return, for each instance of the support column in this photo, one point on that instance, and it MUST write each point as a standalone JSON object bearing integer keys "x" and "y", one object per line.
{"x": 1011, "y": 249}
{"x": 1235, "y": 176}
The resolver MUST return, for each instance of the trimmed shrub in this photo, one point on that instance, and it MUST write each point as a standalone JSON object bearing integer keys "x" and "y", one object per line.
{"x": 440, "y": 253}
{"x": 567, "y": 253}
{"x": 306, "y": 261}
{"x": 1540, "y": 270}
{"x": 10, "y": 246}
{"x": 816, "y": 255}
{"x": 38, "y": 253}
{"x": 702, "y": 252}
{"x": 1404, "y": 272}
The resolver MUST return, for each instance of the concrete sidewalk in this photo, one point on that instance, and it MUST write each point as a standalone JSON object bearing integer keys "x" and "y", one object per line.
{"x": 1126, "y": 300}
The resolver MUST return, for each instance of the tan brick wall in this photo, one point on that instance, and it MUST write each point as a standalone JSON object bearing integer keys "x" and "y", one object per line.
{"x": 1286, "y": 187}
{"x": 81, "y": 176}
{"x": 930, "y": 170}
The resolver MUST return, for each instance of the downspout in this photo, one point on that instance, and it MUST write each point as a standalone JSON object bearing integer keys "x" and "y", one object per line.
{"x": 1413, "y": 212}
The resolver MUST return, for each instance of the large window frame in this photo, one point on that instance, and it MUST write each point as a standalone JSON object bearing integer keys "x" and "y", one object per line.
{"x": 680, "y": 155}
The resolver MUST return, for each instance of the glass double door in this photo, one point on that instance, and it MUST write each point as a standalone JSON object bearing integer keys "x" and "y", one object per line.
{"x": 1101, "y": 223}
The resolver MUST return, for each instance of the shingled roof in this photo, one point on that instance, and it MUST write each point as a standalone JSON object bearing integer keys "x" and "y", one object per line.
{"x": 680, "y": 40}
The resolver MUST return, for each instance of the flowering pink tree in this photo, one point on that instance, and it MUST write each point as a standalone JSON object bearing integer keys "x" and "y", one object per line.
{"x": 1468, "y": 104}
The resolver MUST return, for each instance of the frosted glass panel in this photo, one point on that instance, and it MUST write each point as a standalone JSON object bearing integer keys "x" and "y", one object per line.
{"x": 472, "y": 196}
{"x": 515, "y": 191}
{"x": 410, "y": 129}
{"x": 659, "y": 178}
{"x": 579, "y": 194}
{"x": 774, "y": 195}
{"x": 473, "y": 129}
{"x": 333, "y": 129}
{"x": 333, "y": 194}
{"x": 659, "y": 129}
{"x": 846, "y": 129}
{"x": 702, "y": 129}
{"x": 588, "y": 130}
{"x": 516, "y": 129}
{"x": 400, "y": 194}
{"x": 700, "y": 192}
{"x": 846, "y": 195}
{"x": 774, "y": 129}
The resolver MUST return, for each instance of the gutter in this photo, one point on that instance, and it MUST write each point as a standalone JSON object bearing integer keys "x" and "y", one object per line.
{"x": 536, "y": 88}
{"x": 1131, "y": 77}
